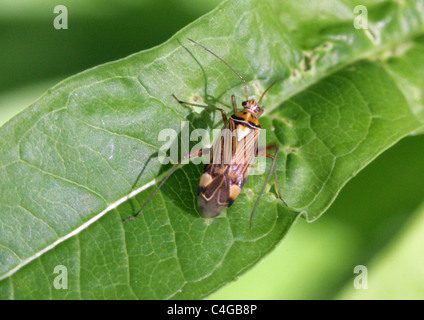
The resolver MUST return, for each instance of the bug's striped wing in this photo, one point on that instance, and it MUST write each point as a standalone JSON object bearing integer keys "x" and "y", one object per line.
{"x": 245, "y": 150}
{"x": 231, "y": 158}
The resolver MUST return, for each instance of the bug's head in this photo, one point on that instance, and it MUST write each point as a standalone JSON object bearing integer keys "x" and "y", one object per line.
{"x": 252, "y": 106}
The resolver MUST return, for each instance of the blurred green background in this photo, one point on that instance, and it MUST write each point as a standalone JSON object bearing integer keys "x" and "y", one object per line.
{"x": 376, "y": 221}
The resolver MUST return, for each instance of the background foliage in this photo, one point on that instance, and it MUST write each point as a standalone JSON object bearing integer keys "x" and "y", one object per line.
{"x": 369, "y": 224}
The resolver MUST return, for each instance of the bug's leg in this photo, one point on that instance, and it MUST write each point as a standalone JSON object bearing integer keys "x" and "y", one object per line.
{"x": 234, "y": 103}
{"x": 187, "y": 156}
{"x": 271, "y": 170}
{"x": 260, "y": 113}
{"x": 264, "y": 154}
{"x": 224, "y": 115}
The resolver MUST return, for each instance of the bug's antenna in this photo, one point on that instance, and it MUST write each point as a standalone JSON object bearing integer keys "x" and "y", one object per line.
{"x": 227, "y": 64}
{"x": 272, "y": 84}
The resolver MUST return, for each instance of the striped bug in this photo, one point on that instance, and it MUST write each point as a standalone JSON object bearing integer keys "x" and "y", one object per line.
{"x": 231, "y": 155}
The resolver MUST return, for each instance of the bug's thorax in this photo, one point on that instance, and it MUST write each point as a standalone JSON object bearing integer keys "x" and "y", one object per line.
{"x": 250, "y": 113}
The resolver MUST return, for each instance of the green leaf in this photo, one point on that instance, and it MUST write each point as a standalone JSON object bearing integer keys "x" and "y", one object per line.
{"x": 70, "y": 163}
{"x": 368, "y": 214}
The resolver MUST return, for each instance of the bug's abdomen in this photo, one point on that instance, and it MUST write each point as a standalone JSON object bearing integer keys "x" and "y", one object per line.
{"x": 219, "y": 187}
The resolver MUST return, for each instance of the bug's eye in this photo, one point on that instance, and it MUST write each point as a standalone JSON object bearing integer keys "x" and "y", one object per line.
{"x": 244, "y": 103}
